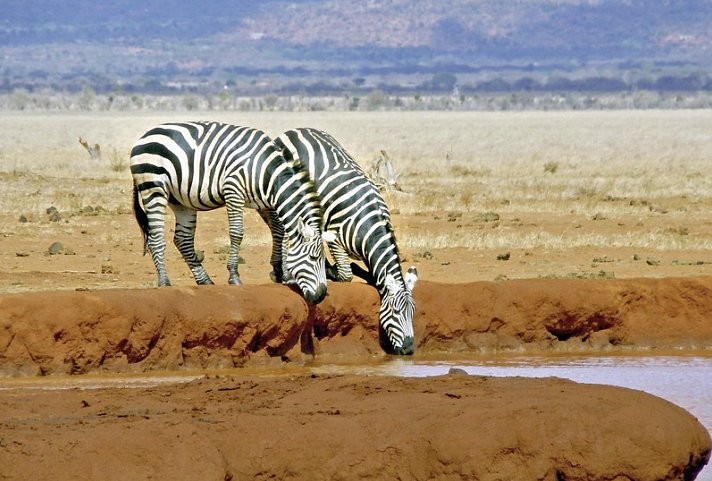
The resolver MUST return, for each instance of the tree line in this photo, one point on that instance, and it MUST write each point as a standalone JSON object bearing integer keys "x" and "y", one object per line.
{"x": 374, "y": 100}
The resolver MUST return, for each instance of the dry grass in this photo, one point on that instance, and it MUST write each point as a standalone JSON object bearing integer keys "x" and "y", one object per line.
{"x": 627, "y": 167}
{"x": 549, "y": 240}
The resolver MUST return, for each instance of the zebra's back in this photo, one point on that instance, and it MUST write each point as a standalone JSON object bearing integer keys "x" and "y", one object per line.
{"x": 194, "y": 161}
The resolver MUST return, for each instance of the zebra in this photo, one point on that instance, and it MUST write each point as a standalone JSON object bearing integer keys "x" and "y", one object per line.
{"x": 199, "y": 166}
{"x": 356, "y": 213}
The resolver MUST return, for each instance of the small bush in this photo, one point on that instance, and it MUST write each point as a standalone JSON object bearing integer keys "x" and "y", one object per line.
{"x": 551, "y": 167}
{"x": 117, "y": 161}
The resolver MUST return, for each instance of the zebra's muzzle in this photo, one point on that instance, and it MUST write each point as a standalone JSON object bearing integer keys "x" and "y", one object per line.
{"x": 316, "y": 297}
{"x": 407, "y": 349}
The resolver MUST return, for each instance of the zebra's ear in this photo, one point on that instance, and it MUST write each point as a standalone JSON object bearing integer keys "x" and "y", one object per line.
{"x": 411, "y": 277}
{"x": 328, "y": 236}
{"x": 305, "y": 230}
{"x": 391, "y": 284}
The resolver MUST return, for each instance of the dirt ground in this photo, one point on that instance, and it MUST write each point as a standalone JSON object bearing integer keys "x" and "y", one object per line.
{"x": 103, "y": 249}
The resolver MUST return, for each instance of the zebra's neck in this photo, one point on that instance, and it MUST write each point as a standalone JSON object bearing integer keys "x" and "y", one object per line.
{"x": 293, "y": 196}
{"x": 383, "y": 259}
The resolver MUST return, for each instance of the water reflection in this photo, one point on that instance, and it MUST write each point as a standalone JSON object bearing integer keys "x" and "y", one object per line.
{"x": 95, "y": 381}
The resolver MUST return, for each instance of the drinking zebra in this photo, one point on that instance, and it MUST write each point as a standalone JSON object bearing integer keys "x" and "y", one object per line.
{"x": 356, "y": 213}
{"x": 197, "y": 166}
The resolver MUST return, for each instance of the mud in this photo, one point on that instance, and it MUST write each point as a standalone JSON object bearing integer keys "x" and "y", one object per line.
{"x": 129, "y": 330}
{"x": 349, "y": 427}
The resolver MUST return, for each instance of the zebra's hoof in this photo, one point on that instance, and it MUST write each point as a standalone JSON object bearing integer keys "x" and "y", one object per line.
{"x": 235, "y": 281}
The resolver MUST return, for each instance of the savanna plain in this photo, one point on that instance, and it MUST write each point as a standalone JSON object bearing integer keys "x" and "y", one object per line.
{"x": 507, "y": 204}
{"x": 485, "y": 196}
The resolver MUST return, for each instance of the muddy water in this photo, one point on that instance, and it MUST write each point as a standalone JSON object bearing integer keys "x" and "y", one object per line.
{"x": 685, "y": 380}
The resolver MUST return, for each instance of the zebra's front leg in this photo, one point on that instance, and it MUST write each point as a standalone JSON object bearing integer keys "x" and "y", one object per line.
{"x": 235, "y": 205}
{"x": 184, "y": 239}
{"x": 341, "y": 271}
{"x": 277, "y": 230}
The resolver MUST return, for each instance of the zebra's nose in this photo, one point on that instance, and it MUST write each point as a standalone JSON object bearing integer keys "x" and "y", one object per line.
{"x": 316, "y": 297}
{"x": 408, "y": 347}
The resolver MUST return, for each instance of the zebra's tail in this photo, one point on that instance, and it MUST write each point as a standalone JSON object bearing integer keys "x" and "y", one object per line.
{"x": 141, "y": 218}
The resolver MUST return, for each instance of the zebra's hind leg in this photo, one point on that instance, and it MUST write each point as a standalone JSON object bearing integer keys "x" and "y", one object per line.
{"x": 157, "y": 246}
{"x": 184, "y": 239}
{"x": 235, "y": 204}
{"x": 155, "y": 210}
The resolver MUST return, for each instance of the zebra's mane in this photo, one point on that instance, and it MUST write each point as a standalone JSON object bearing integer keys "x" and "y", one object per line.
{"x": 300, "y": 170}
{"x": 392, "y": 232}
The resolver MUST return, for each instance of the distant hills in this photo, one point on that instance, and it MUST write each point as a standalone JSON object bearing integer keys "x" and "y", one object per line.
{"x": 343, "y": 46}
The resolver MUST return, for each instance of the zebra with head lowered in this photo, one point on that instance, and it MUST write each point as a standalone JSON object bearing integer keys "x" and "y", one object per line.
{"x": 198, "y": 166}
{"x": 356, "y": 213}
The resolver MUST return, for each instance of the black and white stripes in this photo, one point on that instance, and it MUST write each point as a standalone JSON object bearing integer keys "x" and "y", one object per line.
{"x": 194, "y": 166}
{"x": 356, "y": 213}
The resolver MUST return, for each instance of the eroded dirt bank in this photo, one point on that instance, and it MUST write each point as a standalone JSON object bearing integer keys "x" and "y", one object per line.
{"x": 216, "y": 326}
{"x": 349, "y": 428}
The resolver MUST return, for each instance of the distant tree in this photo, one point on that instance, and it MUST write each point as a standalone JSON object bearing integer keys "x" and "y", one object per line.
{"x": 86, "y": 98}
{"x": 190, "y": 102}
{"x": 137, "y": 100}
{"x": 355, "y": 101}
{"x": 225, "y": 99}
{"x": 270, "y": 101}
{"x": 376, "y": 100}
{"x": 20, "y": 99}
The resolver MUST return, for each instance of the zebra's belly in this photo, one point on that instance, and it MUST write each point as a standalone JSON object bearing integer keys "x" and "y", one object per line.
{"x": 202, "y": 200}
